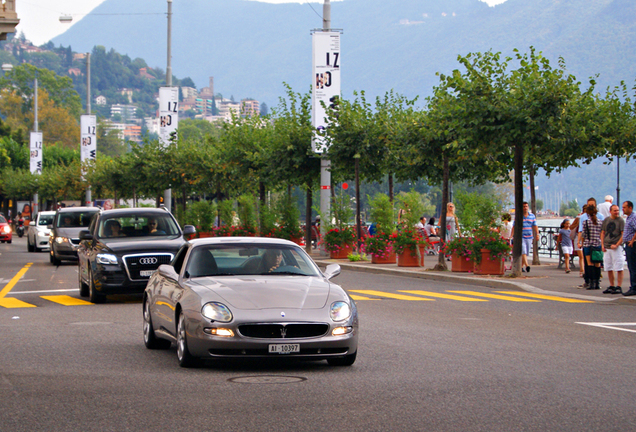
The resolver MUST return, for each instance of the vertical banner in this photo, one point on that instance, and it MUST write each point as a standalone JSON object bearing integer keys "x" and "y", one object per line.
{"x": 89, "y": 137}
{"x": 326, "y": 81}
{"x": 35, "y": 146}
{"x": 168, "y": 113}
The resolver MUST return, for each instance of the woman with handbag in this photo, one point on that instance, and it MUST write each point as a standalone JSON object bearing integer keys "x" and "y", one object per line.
{"x": 590, "y": 241}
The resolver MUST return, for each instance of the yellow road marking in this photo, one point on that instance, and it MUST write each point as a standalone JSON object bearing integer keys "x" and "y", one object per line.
{"x": 8, "y": 287}
{"x": 391, "y": 295}
{"x": 66, "y": 300}
{"x": 545, "y": 297}
{"x": 357, "y": 297}
{"x": 444, "y": 296}
{"x": 14, "y": 303}
{"x": 495, "y": 296}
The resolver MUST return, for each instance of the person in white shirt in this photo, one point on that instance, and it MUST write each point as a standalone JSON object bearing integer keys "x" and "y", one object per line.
{"x": 604, "y": 208}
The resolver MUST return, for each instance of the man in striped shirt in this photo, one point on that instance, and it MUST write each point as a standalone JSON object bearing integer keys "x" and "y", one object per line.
{"x": 529, "y": 228}
{"x": 629, "y": 237}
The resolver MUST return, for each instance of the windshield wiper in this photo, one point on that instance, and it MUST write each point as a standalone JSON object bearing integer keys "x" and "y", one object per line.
{"x": 287, "y": 273}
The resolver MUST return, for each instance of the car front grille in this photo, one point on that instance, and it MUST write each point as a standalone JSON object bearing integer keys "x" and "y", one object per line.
{"x": 75, "y": 241}
{"x": 234, "y": 352}
{"x": 137, "y": 263}
{"x": 283, "y": 331}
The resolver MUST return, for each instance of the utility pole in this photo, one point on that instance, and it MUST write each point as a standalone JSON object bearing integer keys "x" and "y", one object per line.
{"x": 167, "y": 194}
{"x": 325, "y": 164}
{"x": 36, "y": 141}
{"x": 89, "y": 199}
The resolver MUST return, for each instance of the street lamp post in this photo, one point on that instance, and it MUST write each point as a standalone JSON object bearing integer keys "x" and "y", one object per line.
{"x": 167, "y": 194}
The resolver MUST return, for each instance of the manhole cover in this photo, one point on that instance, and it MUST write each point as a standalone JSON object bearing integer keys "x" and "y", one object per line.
{"x": 267, "y": 379}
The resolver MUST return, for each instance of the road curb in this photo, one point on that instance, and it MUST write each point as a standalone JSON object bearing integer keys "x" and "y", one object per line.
{"x": 467, "y": 280}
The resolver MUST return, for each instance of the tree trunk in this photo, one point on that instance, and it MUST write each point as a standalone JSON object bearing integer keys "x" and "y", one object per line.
{"x": 441, "y": 259}
{"x": 308, "y": 220}
{"x": 184, "y": 199}
{"x": 262, "y": 197}
{"x": 533, "y": 207}
{"x": 391, "y": 187}
{"x": 518, "y": 228}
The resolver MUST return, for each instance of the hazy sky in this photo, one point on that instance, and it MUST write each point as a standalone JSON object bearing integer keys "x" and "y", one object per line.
{"x": 39, "y": 19}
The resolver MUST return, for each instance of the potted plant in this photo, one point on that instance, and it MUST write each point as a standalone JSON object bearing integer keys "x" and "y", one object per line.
{"x": 201, "y": 215}
{"x": 489, "y": 251}
{"x": 339, "y": 242}
{"x": 380, "y": 247}
{"x": 461, "y": 252}
{"x": 409, "y": 247}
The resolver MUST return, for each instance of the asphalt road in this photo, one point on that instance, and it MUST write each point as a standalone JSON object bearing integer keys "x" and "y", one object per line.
{"x": 425, "y": 362}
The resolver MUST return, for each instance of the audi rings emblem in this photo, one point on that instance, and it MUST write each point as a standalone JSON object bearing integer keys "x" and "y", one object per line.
{"x": 148, "y": 261}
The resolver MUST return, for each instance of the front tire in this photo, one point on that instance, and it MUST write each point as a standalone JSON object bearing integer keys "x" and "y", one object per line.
{"x": 84, "y": 291}
{"x": 347, "y": 360}
{"x": 30, "y": 247}
{"x": 93, "y": 295}
{"x": 186, "y": 360}
{"x": 53, "y": 259}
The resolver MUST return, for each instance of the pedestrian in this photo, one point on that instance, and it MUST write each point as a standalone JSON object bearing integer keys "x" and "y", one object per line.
{"x": 566, "y": 243}
{"x": 583, "y": 218}
{"x": 452, "y": 223}
{"x": 530, "y": 231}
{"x": 574, "y": 235}
{"x": 604, "y": 207}
{"x": 590, "y": 241}
{"x": 612, "y": 240}
{"x": 506, "y": 227}
{"x": 629, "y": 237}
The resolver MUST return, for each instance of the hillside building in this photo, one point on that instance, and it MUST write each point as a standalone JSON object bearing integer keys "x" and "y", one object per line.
{"x": 127, "y": 112}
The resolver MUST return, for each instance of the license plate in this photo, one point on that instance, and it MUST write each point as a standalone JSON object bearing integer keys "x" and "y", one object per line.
{"x": 146, "y": 273}
{"x": 284, "y": 348}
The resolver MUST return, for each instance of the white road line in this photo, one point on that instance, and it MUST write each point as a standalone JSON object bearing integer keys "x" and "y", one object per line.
{"x": 611, "y": 326}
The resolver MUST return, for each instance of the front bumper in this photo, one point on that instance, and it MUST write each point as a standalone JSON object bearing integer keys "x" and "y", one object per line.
{"x": 42, "y": 240}
{"x": 113, "y": 279}
{"x": 65, "y": 251}
{"x": 6, "y": 237}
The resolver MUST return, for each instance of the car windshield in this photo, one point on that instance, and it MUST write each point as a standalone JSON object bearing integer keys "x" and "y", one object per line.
{"x": 45, "y": 220}
{"x": 138, "y": 225}
{"x": 80, "y": 219}
{"x": 2, "y": 219}
{"x": 249, "y": 260}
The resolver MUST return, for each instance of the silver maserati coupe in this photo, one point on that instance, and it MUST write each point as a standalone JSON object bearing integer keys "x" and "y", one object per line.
{"x": 249, "y": 297}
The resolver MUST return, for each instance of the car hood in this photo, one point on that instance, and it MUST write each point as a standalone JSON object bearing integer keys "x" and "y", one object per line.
{"x": 69, "y": 232}
{"x": 143, "y": 244}
{"x": 266, "y": 292}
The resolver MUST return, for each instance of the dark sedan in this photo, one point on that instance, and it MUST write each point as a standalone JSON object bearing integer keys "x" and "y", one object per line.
{"x": 123, "y": 248}
{"x": 249, "y": 297}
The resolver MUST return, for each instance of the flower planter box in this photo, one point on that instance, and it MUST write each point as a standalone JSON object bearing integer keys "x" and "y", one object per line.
{"x": 204, "y": 234}
{"x": 488, "y": 266}
{"x": 341, "y": 253}
{"x": 461, "y": 264}
{"x": 410, "y": 259}
{"x": 388, "y": 259}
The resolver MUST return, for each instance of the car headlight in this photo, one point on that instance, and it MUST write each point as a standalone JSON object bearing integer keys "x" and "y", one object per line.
{"x": 106, "y": 259}
{"x": 6, "y": 229}
{"x": 216, "y": 312}
{"x": 339, "y": 311}
{"x": 62, "y": 240}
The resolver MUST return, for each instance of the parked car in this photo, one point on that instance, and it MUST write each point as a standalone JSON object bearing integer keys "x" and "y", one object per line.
{"x": 6, "y": 234}
{"x": 65, "y": 229}
{"x": 39, "y": 232}
{"x": 123, "y": 248}
{"x": 249, "y": 297}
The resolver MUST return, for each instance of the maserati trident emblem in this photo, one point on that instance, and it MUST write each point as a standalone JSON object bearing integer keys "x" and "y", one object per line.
{"x": 282, "y": 314}
{"x": 283, "y": 332}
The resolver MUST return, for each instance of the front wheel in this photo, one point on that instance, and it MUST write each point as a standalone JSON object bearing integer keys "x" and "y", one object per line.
{"x": 84, "y": 290}
{"x": 150, "y": 339}
{"x": 54, "y": 261}
{"x": 347, "y": 360}
{"x": 93, "y": 295}
{"x": 30, "y": 247}
{"x": 186, "y": 359}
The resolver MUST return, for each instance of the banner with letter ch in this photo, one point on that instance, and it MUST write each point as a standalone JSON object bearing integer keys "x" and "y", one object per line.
{"x": 35, "y": 147}
{"x": 326, "y": 81}
{"x": 168, "y": 113}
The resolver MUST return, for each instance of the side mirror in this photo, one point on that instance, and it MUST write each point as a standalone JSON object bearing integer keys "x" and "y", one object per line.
{"x": 167, "y": 271}
{"x": 49, "y": 226}
{"x": 189, "y": 230}
{"x": 32, "y": 223}
{"x": 85, "y": 235}
{"x": 332, "y": 271}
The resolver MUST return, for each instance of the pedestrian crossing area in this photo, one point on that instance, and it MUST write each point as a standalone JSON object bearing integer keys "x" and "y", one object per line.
{"x": 64, "y": 300}
{"x": 460, "y": 295}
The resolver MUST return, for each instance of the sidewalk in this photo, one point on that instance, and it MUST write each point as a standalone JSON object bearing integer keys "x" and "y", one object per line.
{"x": 544, "y": 279}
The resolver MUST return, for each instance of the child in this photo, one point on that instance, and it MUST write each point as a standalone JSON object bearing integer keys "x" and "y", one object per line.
{"x": 566, "y": 243}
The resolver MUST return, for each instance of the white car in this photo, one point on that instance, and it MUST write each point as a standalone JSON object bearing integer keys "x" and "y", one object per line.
{"x": 38, "y": 232}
